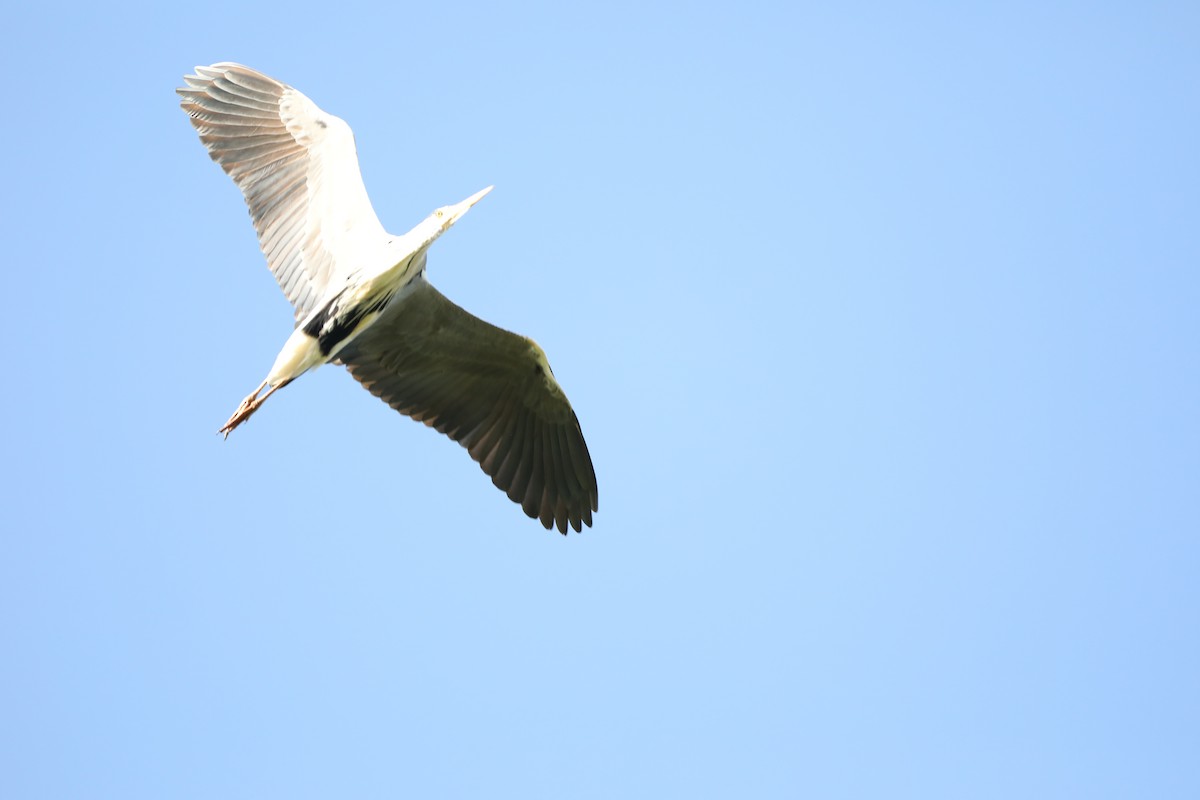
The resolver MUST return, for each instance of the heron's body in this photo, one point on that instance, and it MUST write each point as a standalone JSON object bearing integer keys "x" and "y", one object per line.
{"x": 329, "y": 327}
{"x": 361, "y": 297}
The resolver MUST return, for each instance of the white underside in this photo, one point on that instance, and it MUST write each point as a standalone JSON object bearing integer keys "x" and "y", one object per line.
{"x": 300, "y": 353}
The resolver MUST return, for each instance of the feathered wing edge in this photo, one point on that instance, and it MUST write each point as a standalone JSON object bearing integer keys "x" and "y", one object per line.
{"x": 298, "y": 171}
{"x": 487, "y": 389}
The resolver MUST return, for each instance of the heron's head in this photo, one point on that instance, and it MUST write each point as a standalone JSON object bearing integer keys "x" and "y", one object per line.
{"x": 440, "y": 220}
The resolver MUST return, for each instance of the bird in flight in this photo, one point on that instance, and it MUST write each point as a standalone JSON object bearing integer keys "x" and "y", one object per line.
{"x": 361, "y": 297}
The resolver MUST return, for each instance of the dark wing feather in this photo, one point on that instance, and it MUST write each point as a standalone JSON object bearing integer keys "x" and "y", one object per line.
{"x": 486, "y": 388}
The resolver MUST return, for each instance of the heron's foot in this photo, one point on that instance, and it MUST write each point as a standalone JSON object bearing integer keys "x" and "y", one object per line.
{"x": 248, "y": 407}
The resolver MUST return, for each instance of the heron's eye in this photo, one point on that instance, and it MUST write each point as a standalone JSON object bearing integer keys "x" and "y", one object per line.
{"x": 439, "y": 212}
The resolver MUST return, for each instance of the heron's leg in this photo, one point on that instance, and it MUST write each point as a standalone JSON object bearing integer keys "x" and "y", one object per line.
{"x": 249, "y": 406}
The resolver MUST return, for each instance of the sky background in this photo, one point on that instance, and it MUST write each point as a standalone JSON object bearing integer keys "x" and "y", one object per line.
{"x": 881, "y": 323}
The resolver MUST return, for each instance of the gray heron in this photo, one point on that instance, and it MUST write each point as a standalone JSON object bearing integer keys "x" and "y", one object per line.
{"x": 361, "y": 297}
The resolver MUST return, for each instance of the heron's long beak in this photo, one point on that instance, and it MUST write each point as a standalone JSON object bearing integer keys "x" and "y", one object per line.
{"x": 465, "y": 206}
{"x": 475, "y": 198}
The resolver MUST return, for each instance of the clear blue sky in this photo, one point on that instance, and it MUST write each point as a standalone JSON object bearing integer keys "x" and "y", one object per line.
{"x": 881, "y": 321}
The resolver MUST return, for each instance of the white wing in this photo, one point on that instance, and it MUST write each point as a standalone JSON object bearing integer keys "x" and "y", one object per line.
{"x": 298, "y": 170}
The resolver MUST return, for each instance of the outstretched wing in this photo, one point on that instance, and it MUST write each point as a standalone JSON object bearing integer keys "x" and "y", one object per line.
{"x": 298, "y": 170}
{"x": 487, "y": 389}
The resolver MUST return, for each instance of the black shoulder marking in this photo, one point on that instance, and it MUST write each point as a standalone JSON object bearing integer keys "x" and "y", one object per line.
{"x": 319, "y": 320}
{"x": 333, "y": 324}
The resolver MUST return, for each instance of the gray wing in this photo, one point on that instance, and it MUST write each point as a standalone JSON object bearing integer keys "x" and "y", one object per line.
{"x": 298, "y": 170}
{"x": 487, "y": 389}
